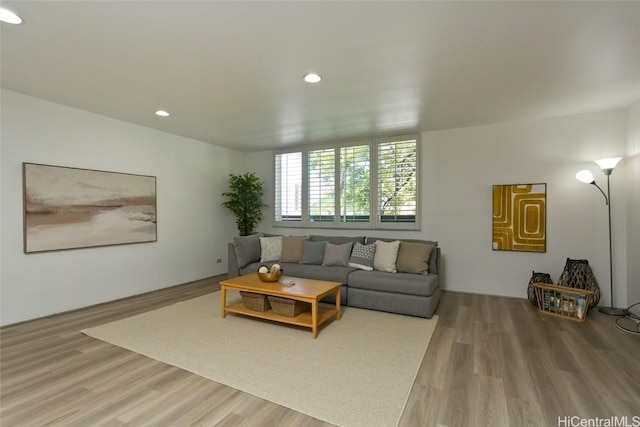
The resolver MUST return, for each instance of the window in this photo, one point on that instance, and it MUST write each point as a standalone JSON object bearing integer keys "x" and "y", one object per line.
{"x": 362, "y": 184}
{"x": 322, "y": 188}
{"x": 397, "y": 168}
{"x": 288, "y": 187}
{"x": 355, "y": 183}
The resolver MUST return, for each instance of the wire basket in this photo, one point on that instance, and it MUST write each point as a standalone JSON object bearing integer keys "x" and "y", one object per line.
{"x": 563, "y": 302}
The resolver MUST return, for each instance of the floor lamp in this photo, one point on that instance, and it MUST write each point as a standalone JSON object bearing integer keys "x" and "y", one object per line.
{"x": 607, "y": 166}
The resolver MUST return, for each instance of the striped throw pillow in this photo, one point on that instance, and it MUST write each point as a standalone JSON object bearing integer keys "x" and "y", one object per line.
{"x": 386, "y": 255}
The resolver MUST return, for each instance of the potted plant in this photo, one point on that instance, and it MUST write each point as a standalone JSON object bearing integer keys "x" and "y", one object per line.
{"x": 245, "y": 201}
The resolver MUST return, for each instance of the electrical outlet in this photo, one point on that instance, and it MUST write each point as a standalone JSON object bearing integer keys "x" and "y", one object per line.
{"x": 219, "y": 261}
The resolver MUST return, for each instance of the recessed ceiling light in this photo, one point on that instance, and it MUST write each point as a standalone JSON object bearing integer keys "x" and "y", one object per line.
{"x": 9, "y": 17}
{"x": 162, "y": 113}
{"x": 312, "y": 78}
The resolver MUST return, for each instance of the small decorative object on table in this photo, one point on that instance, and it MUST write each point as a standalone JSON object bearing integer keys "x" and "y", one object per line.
{"x": 272, "y": 274}
{"x": 287, "y": 307}
{"x": 287, "y": 282}
{"x": 562, "y": 301}
{"x": 256, "y": 302}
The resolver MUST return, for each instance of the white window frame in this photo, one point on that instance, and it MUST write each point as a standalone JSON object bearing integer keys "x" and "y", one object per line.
{"x": 374, "y": 222}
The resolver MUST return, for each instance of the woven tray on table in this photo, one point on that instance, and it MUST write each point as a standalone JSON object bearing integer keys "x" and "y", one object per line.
{"x": 288, "y": 307}
{"x": 256, "y": 302}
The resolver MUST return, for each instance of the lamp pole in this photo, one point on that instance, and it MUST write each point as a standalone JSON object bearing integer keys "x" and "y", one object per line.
{"x": 611, "y": 310}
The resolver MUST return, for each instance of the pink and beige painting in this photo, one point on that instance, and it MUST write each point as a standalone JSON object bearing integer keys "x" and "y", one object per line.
{"x": 70, "y": 208}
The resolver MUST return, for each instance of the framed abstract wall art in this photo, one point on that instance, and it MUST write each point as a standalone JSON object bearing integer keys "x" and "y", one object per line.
{"x": 519, "y": 217}
{"x": 70, "y": 208}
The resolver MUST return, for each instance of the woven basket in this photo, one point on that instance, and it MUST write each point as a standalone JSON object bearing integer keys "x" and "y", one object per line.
{"x": 288, "y": 307}
{"x": 256, "y": 302}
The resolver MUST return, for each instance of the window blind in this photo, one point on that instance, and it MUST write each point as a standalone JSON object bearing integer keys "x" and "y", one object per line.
{"x": 397, "y": 190}
{"x": 355, "y": 183}
{"x": 288, "y": 187}
{"x": 321, "y": 185}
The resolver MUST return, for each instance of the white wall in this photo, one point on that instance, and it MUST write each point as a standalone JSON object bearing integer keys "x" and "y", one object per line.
{"x": 460, "y": 166}
{"x": 193, "y": 229}
{"x": 632, "y": 163}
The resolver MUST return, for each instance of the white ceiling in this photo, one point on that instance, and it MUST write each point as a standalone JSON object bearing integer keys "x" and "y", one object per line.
{"x": 230, "y": 73}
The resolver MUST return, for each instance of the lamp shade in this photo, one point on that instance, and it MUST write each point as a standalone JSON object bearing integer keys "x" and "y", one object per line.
{"x": 9, "y": 17}
{"x": 585, "y": 176}
{"x": 609, "y": 163}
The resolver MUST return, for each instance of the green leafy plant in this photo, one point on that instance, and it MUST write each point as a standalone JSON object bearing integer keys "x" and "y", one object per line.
{"x": 245, "y": 201}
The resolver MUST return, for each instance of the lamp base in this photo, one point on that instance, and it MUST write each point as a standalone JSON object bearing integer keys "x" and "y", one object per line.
{"x": 612, "y": 311}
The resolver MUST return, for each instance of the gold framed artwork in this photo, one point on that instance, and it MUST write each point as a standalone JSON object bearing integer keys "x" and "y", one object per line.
{"x": 70, "y": 208}
{"x": 519, "y": 217}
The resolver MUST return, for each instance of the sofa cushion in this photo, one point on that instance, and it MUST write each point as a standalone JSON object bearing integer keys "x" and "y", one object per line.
{"x": 413, "y": 258}
{"x": 312, "y": 252}
{"x": 337, "y": 240}
{"x": 385, "y": 256}
{"x": 247, "y": 249}
{"x": 292, "y": 248}
{"x": 412, "y": 305}
{"x": 333, "y": 273}
{"x": 270, "y": 248}
{"x": 337, "y": 254}
{"x": 402, "y": 283}
{"x": 362, "y": 256}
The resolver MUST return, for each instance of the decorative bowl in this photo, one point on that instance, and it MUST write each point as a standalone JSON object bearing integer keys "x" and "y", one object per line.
{"x": 270, "y": 277}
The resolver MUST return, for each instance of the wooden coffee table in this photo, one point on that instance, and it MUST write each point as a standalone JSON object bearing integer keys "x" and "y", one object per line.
{"x": 307, "y": 290}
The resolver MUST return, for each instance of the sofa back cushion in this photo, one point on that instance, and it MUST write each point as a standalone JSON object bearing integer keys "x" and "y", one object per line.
{"x": 247, "y": 249}
{"x": 337, "y": 240}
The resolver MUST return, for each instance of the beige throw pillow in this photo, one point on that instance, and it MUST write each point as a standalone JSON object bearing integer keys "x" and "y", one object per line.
{"x": 292, "y": 248}
{"x": 385, "y": 256}
{"x": 413, "y": 258}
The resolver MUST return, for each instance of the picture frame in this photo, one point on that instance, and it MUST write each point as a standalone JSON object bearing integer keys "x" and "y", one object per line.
{"x": 519, "y": 217}
{"x": 72, "y": 208}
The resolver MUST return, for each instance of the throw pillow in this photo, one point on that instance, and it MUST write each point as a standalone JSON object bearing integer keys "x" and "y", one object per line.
{"x": 337, "y": 254}
{"x": 386, "y": 255}
{"x": 247, "y": 249}
{"x": 312, "y": 252}
{"x": 292, "y": 248}
{"x": 413, "y": 258}
{"x": 270, "y": 248}
{"x": 362, "y": 256}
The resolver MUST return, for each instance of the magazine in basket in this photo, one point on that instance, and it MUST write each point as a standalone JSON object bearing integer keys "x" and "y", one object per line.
{"x": 562, "y": 301}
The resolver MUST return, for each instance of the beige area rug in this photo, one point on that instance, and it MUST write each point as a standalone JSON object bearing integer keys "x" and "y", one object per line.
{"x": 358, "y": 372}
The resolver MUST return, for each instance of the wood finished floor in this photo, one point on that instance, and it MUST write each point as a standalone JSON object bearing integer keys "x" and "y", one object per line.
{"x": 492, "y": 362}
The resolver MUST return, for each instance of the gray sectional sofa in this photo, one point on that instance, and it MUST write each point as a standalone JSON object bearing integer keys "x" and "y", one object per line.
{"x": 409, "y": 293}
